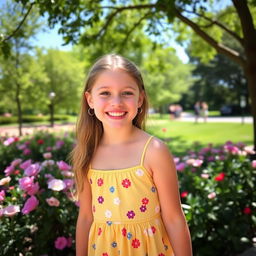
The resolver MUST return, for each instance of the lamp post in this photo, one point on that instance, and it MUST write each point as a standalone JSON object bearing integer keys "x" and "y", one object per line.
{"x": 51, "y": 106}
{"x": 242, "y": 105}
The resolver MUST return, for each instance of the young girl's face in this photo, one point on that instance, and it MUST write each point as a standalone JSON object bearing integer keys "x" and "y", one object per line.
{"x": 115, "y": 98}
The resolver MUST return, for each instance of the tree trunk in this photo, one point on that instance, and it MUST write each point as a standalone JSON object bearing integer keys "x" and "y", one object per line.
{"x": 17, "y": 97}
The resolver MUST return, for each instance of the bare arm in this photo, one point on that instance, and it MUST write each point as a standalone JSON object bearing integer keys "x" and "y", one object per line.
{"x": 84, "y": 220}
{"x": 165, "y": 178}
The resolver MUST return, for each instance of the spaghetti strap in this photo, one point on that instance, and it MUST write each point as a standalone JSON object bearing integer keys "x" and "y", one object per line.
{"x": 144, "y": 150}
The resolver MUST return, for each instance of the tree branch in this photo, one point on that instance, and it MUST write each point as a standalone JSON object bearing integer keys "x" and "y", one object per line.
{"x": 19, "y": 26}
{"x": 220, "y": 48}
{"x": 118, "y": 10}
{"x": 246, "y": 21}
{"x": 219, "y": 24}
{"x": 134, "y": 27}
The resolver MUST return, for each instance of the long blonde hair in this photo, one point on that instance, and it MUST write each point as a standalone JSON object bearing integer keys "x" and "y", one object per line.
{"x": 89, "y": 129}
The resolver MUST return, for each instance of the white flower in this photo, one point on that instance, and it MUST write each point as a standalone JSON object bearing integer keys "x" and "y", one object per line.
{"x": 56, "y": 185}
{"x": 5, "y": 180}
{"x": 117, "y": 201}
{"x": 108, "y": 214}
{"x": 150, "y": 232}
{"x": 140, "y": 172}
{"x": 157, "y": 209}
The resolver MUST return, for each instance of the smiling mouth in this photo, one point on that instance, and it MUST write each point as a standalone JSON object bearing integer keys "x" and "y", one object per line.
{"x": 116, "y": 113}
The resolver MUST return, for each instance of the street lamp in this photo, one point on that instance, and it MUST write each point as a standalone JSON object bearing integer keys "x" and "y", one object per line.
{"x": 51, "y": 106}
{"x": 242, "y": 105}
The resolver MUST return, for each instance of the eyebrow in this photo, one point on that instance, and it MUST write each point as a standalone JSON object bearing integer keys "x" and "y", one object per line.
{"x": 106, "y": 87}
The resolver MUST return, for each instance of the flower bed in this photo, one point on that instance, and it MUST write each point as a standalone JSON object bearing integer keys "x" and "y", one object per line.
{"x": 38, "y": 214}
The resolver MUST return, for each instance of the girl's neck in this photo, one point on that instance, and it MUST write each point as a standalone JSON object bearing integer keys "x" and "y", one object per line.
{"x": 118, "y": 136}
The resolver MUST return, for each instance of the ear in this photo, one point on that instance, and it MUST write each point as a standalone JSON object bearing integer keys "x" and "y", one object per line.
{"x": 88, "y": 98}
{"x": 141, "y": 98}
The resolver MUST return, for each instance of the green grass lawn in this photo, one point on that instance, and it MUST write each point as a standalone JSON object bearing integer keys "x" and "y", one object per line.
{"x": 183, "y": 136}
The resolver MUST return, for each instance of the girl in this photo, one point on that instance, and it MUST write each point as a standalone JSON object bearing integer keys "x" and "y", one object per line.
{"x": 126, "y": 179}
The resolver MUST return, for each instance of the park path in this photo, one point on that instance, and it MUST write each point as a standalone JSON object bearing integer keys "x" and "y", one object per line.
{"x": 29, "y": 129}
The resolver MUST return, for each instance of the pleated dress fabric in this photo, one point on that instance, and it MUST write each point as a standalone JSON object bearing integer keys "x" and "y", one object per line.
{"x": 127, "y": 214}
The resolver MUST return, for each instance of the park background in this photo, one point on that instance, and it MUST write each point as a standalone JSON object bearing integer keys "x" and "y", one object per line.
{"x": 41, "y": 90}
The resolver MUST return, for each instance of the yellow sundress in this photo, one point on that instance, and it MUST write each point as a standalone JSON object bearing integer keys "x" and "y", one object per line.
{"x": 126, "y": 210}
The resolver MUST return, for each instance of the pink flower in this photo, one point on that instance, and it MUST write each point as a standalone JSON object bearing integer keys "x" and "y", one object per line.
{"x": 26, "y": 164}
{"x": 63, "y": 166}
{"x": 33, "y": 170}
{"x": 67, "y": 173}
{"x": 11, "y": 210}
{"x": 100, "y": 182}
{"x": 5, "y": 180}
{"x": 9, "y": 170}
{"x": 59, "y": 143}
{"x": 26, "y": 151}
{"x": 33, "y": 189}
{"x": 16, "y": 162}
{"x": 164, "y": 129}
{"x": 69, "y": 183}
{"x": 47, "y": 155}
{"x": 56, "y": 185}
{"x": 205, "y": 175}
{"x": 211, "y": 195}
{"x": 26, "y": 183}
{"x": 254, "y": 164}
{"x": 69, "y": 241}
{"x": 9, "y": 141}
{"x": 197, "y": 163}
{"x": 30, "y": 205}
{"x": 180, "y": 167}
{"x": 52, "y": 201}
{"x": 2, "y": 195}
{"x": 60, "y": 243}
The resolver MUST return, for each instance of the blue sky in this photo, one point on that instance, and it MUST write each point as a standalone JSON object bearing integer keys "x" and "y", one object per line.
{"x": 51, "y": 39}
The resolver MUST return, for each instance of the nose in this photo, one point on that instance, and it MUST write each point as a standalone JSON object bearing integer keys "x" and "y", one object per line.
{"x": 116, "y": 100}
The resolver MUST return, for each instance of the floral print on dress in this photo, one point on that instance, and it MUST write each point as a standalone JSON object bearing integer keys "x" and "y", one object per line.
{"x": 126, "y": 210}
{"x": 130, "y": 214}
{"x": 126, "y": 183}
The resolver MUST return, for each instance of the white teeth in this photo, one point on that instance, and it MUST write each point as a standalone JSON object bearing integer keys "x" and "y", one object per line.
{"x": 116, "y": 113}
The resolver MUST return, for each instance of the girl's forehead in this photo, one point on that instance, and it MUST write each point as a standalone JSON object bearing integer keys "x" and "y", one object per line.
{"x": 115, "y": 79}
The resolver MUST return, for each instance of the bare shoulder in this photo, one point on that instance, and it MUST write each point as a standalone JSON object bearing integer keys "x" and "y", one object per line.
{"x": 158, "y": 155}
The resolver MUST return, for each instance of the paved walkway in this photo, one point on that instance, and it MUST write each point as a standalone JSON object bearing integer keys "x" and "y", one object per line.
{"x": 186, "y": 117}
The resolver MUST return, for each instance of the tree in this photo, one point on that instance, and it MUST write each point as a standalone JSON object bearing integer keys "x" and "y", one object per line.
{"x": 77, "y": 16}
{"x": 14, "y": 70}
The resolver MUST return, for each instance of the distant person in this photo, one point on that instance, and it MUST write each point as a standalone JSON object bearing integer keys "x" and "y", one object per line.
{"x": 172, "y": 108}
{"x": 197, "y": 110}
{"x": 178, "y": 111}
{"x": 204, "y": 111}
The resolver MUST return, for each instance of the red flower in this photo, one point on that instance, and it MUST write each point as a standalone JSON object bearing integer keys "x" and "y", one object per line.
{"x": 145, "y": 201}
{"x": 135, "y": 243}
{"x": 99, "y": 231}
{"x": 247, "y": 210}
{"x": 104, "y": 254}
{"x": 124, "y": 232}
{"x": 153, "y": 229}
{"x": 161, "y": 254}
{"x": 184, "y": 194}
{"x": 100, "y": 182}
{"x": 126, "y": 183}
{"x": 164, "y": 129}
{"x": 16, "y": 172}
{"x": 40, "y": 141}
{"x": 220, "y": 177}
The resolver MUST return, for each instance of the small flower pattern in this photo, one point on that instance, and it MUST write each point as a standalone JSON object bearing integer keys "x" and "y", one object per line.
{"x": 115, "y": 203}
{"x": 126, "y": 183}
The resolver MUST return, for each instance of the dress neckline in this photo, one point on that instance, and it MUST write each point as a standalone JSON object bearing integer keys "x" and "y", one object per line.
{"x": 139, "y": 166}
